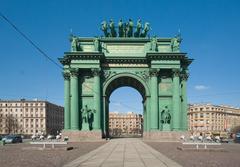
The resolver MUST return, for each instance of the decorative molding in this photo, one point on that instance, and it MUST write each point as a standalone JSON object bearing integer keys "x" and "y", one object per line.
{"x": 107, "y": 74}
{"x": 96, "y": 71}
{"x": 184, "y": 76}
{"x": 143, "y": 74}
{"x": 153, "y": 72}
{"x": 74, "y": 72}
{"x": 66, "y": 75}
{"x": 176, "y": 72}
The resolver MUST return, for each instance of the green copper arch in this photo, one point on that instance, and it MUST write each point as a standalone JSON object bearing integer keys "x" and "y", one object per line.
{"x": 124, "y": 75}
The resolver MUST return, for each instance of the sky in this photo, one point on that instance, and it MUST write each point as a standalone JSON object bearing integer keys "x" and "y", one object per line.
{"x": 209, "y": 28}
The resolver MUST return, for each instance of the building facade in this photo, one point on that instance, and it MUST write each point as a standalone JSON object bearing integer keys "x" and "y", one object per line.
{"x": 212, "y": 118}
{"x": 30, "y": 117}
{"x": 125, "y": 123}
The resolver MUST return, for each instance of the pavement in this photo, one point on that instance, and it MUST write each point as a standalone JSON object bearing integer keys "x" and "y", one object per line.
{"x": 124, "y": 152}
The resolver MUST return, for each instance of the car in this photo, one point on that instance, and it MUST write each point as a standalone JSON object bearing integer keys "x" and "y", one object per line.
{"x": 41, "y": 137}
{"x": 51, "y": 137}
{"x": 34, "y": 137}
{"x": 12, "y": 139}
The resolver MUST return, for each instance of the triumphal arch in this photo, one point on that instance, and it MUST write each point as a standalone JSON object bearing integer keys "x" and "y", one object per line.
{"x": 125, "y": 56}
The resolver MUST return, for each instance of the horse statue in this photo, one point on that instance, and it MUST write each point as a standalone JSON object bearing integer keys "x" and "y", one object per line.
{"x": 138, "y": 28}
{"x": 104, "y": 28}
{"x": 120, "y": 28}
{"x": 130, "y": 28}
{"x": 113, "y": 32}
{"x": 145, "y": 30}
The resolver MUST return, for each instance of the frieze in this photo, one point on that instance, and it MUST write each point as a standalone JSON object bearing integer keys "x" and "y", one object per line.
{"x": 123, "y": 65}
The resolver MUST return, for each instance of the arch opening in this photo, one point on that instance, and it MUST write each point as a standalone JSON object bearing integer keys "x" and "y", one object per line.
{"x": 122, "y": 123}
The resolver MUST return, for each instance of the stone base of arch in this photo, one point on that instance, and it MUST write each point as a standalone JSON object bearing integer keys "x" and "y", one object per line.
{"x": 165, "y": 136}
{"x": 78, "y": 136}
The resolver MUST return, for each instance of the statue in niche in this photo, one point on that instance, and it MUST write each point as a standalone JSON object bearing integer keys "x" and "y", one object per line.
{"x": 104, "y": 28}
{"x": 88, "y": 116}
{"x": 130, "y": 28}
{"x": 154, "y": 44}
{"x": 138, "y": 28}
{"x": 165, "y": 116}
{"x": 112, "y": 29}
{"x": 175, "y": 43}
{"x": 120, "y": 28}
{"x": 96, "y": 43}
{"x": 74, "y": 43}
{"x": 145, "y": 30}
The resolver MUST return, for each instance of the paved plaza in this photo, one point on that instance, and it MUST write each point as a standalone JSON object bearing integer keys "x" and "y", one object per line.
{"x": 123, "y": 152}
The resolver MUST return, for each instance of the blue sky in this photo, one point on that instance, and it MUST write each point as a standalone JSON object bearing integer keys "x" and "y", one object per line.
{"x": 210, "y": 31}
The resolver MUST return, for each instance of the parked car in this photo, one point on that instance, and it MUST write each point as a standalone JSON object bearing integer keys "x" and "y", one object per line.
{"x": 51, "y": 137}
{"x": 12, "y": 139}
{"x": 34, "y": 137}
{"x": 237, "y": 138}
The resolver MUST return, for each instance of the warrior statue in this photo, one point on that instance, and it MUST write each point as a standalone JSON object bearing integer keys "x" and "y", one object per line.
{"x": 104, "y": 28}
{"x": 120, "y": 28}
{"x": 145, "y": 30}
{"x": 112, "y": 29}
{"x": 74, "y": 43}
{"x": 175, "y": 43}
{"x": 154, "y": 44}
{"x": 130, "y": 28}
{"x": 138, "y": 28}
{"x": 165, "y": 116}
{"x": 96, "y": 44}
{"x": 87, "y": 116}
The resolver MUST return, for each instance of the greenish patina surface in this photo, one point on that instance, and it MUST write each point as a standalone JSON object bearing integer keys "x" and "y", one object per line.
{"x": 154, "y": 66}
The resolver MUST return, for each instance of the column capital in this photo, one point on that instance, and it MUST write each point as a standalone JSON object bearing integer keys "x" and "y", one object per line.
{"x": 184, "y": 76}
{"x": 74, "y": 72}
{"x": 176, "y": 72}
{"x": 153, "y": 72}
{"x": 96, "y": 71}
{"x": 66, "y": 75}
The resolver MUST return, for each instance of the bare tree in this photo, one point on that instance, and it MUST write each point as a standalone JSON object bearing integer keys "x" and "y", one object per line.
{"x": 11, "y": 124}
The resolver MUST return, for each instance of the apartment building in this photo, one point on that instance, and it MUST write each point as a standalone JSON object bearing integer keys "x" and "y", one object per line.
{"x": 127, "y": 123}
{"x": 212, "y": 118}
{"x": 30, "y": 117}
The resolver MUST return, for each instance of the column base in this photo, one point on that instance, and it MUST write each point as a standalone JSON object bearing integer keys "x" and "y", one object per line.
{"x": 77, "y": 136}
{"x": 165, "y": 136}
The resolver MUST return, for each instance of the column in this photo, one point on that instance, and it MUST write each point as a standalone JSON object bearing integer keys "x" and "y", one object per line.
{"x": 176, "y": 101}
{"x": 66, "y": 100}
{"x": 184, "y": 102}
{"x": 148, "y": 113}
{"x": 154, "y": 99}
{"x": 74, "y": 100}
{"x": 97, "y": 98}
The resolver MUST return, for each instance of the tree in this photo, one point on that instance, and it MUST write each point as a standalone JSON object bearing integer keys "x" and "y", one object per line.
{"x": 11, "y": 124}
{"x": 235, "y": 129}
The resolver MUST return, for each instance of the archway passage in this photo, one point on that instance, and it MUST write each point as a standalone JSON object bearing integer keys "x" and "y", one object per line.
{"x": 125, "y": 113}
{"x": 124, "y": 125}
